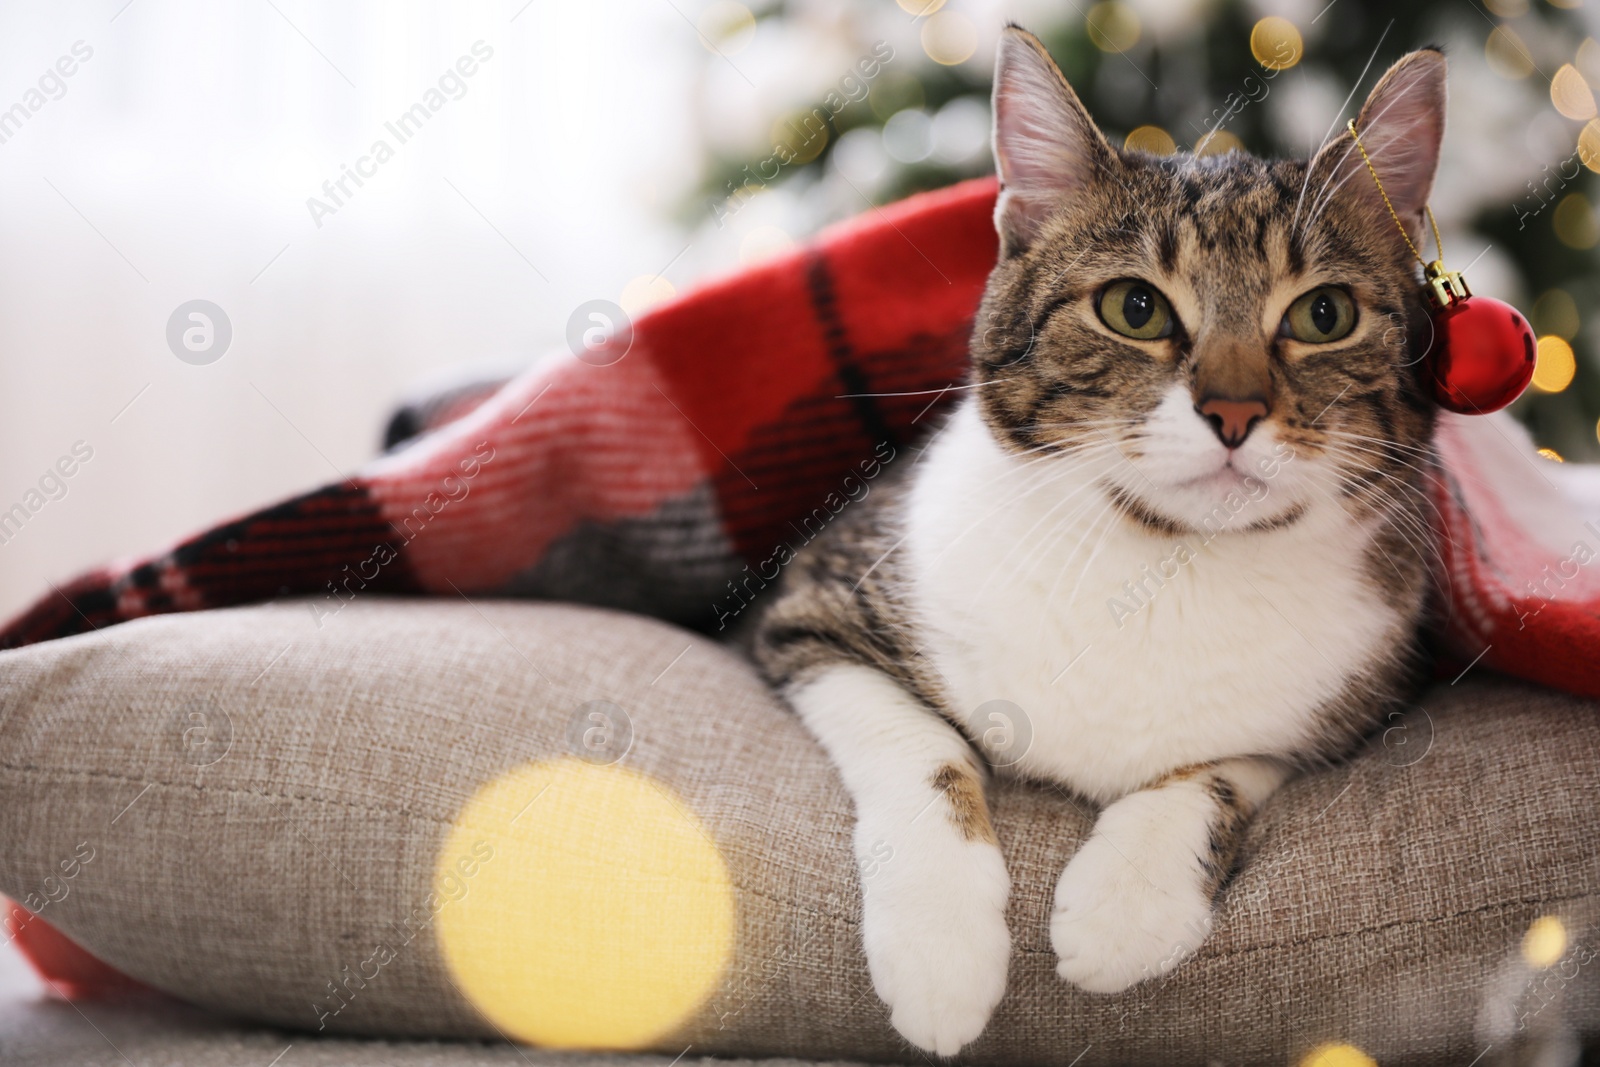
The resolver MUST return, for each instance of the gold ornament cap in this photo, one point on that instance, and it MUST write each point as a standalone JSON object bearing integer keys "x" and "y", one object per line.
{"x": 1445, "y": 287}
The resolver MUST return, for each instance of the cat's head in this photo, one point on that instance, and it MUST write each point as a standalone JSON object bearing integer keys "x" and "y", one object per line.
{"x": 1183, "y": 324}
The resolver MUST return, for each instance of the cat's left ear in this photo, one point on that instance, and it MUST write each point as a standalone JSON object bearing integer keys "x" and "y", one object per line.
{"x": 1401, "y": 127}
{"x": 1046, "y": 147}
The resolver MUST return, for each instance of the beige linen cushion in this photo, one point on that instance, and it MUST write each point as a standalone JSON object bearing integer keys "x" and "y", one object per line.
{"x": 268, "y": 798}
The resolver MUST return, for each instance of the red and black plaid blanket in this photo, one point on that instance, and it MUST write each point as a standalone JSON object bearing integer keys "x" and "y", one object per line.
{"x": 661, "y": 472}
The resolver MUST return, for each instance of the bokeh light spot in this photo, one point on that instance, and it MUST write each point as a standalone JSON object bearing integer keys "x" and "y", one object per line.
{"x": 1588, "y": 61}
{"x": 1113, "y": 26}
{"x": 1574, "y": 222}
{"x": 1276, "y": 43}
{"x": 1551, "y": 454}
{"x": 602, "y": 917}
{"x": 1151, "y": 139}
{"x": 949, "y": 38}
{"x": 1545, "y": 942}
{"x": 1556, "y": 312}
{"x": 1589, "y": 145}
{"x": 908, "y": 135}
{"x": 726, "y": 26}
{"x": 645, "y": 292}
{"x": 1554, "y": 364}
{"x": 1506, "y": 54}
{"x": 1217, "y": 144}
{"x": 1334, "y": 1054}
{"x": 1571, "y": 94}
{"x": 802, "y": 136}
{"x": 763, "y": 242}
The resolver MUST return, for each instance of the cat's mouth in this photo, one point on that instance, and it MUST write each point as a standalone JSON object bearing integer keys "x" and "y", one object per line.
{"x": 1226, "y": 499}
{"x": 1221, "y": 480}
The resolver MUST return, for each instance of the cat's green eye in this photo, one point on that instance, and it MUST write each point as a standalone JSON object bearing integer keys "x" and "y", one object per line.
{"x": 1136, "y": 310}
{"x": 1322, "y": 315}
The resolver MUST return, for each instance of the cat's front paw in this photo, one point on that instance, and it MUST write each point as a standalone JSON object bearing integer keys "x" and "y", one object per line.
{"x": 934, "y": 929}
{"x": 1125, "y": 913}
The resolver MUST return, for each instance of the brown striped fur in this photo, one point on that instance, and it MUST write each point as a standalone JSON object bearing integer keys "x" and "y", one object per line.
{"x": 1230, "y": 241}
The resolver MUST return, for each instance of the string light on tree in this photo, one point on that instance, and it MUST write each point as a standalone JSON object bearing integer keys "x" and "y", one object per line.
{"x": 1276, "y": 43}
{"x": 1554, "y": 364}
{"x": 1151, "y": 139}
{"x": 1113, "y": 26}
{"x": 1507, "y": 55}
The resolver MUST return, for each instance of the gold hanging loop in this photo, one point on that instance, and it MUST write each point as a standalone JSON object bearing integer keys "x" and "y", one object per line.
{"x": 1444, "y": 287}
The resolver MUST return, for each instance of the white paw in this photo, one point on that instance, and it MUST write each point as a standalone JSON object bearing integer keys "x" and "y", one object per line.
{"x": 934, "y": 928}
{"x": 1126, "y": 911}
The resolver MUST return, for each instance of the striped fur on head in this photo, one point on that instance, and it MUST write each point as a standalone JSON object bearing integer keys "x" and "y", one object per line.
{"x": 1230, "y": 241}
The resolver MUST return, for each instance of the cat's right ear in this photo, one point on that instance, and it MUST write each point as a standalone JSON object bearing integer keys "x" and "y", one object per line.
{"x": 1046, "y": 147}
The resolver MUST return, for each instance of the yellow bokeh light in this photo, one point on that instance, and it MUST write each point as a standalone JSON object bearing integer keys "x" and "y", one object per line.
{"x": 1570, "y": 5}
{"x": 1113, "y": 26}
{"x": 949, "y": 38}
{"x": 726, "y": 26}
{"x": 920, "y": 7}
{"x": 645, "y": 292}
{"x": 1589, "y": 145}
{"x": 1552, "y": 454}
{"x": 1276, "y": 43}
{"x": 1574, "y": 222}
{"x": 1588, "y": 61}
{"x": 1507, "y": 9}
{"x": 1556, "y": 312}
{"x": 1334, "y": 1054}
{"x": 1151, "y": 139}
{"x": 802, "y": 137}
{"x": 1506, "y": 54}
{"x": 1545, "y": 942}
{"x": 1554, "y": 365}
{"x": 1571, "y": 94}
{"x": 603, "y": 916}
{"x": 763, "y": 242}
{"x": 1217, "y": 144}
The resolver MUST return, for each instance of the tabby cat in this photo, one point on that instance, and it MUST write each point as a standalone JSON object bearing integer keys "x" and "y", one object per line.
{"x": 1179, "y": 523}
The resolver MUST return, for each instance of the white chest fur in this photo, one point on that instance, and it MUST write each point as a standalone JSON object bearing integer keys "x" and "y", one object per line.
{"x": 1225, "y": 647}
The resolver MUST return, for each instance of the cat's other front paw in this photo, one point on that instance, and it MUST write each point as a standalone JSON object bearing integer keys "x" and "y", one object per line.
{"x": 934, "y": 929}
{"x": 1125, "y": 913}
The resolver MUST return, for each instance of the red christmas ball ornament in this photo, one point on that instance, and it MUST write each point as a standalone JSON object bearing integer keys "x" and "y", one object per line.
{"x": 1483, "y": 352}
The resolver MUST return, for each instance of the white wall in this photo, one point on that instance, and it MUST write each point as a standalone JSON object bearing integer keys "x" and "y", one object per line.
{"x": 177, "y": 165}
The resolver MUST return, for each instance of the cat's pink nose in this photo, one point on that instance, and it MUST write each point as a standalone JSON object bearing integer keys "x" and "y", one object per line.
{"x": 1231, "y": 420}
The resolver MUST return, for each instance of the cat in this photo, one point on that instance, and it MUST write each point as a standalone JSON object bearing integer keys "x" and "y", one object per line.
{"x": 1179, "y": 522}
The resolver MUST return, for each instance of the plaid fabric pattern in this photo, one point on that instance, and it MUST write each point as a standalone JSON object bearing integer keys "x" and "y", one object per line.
{"x": 645, "y": 483}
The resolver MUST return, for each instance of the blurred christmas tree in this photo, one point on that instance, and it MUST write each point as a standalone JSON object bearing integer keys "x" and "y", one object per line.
{"x": 860, "y": 102}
